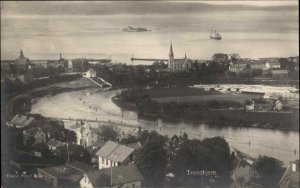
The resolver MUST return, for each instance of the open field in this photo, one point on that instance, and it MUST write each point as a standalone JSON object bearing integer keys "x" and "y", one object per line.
{"x": 175, "y": 92}
{"x": 240, "y": 98}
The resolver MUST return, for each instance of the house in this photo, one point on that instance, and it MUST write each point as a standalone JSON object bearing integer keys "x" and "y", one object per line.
{"x": 278, "y": 105}
{"x": 238, "y": 66}
{"x": 220, "y": 58}
{"x": 280, "y": 73}
{"x": 113, "y": 154}
{"x": 91, "y": 73}
{"x": 20, "y": 121}
{"x": 33, "y": 136}
{"x": 39, "y": 136}
{"x": 87, "y": 136}
{"x": 54, "y": 144}
{"x": 61, "y": 176}
{"x": 120, "y": 176}
{"x": 272, "y": 63}
{"x": 234, "y": 57}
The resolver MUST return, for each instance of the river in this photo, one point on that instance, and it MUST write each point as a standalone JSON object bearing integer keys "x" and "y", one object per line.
{"x": 93, "y": 103}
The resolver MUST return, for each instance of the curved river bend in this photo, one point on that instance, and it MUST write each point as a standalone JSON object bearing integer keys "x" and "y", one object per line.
{"x": 92, "y": 104}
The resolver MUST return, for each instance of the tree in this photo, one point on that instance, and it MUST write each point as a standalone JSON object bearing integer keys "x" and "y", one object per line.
{"x": 211, "y": 154}
{"x": 109, "y": 133}
{"x": 151, "y": 161}
{"x": 269, "y": 171}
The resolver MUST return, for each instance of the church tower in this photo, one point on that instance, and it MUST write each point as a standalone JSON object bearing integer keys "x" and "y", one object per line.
{"x": 171, "y": 58}
{"x": 21, "y": 54}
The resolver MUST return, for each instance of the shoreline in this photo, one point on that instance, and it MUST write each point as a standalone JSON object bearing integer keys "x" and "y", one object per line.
{"x": 155, "y": 117}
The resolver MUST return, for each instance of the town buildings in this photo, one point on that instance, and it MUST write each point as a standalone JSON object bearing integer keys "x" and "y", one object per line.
{"x": 113, "y": 154}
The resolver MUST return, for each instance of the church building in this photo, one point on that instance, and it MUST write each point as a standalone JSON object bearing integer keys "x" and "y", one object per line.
{"x": 177, "y": 65}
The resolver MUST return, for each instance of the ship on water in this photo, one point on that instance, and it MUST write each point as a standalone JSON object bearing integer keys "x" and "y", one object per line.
{"x": 216, "y": 36}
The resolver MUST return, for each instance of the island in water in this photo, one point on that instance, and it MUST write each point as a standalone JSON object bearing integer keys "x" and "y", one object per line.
{"x": 135, "y": 29}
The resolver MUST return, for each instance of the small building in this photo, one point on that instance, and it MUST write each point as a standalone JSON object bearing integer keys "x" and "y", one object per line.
{"x": 61, "y": 176}
{"x": 280, "y": 73}
{"x": 120, "y": 176}
{"x": 278, "y": 105}
{"x": 87, "y": 136}
{"x": 237, "y": 67}
{"x": 54, "y": 144}
{"x": 220, "y": 58}
{"x": 234, "y": 57}
{"x": 20, "y": 121}
{"x": 39, "y": 136}
{"x": 91, "y": 73}
{"x": 113, "y": 154}
{"x": 33, "y": 136}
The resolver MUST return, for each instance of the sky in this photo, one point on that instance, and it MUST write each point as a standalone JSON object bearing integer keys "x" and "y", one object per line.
{"x": 137, "y": 7}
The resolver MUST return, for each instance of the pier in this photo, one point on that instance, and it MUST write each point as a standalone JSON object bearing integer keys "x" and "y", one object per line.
{"x": 146, "y": 59}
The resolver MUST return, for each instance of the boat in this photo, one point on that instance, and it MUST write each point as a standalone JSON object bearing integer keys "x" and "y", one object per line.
{"x": 216, "y": 36}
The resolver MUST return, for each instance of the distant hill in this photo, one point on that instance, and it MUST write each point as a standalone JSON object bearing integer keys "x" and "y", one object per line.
{"x": 119, "y": 7}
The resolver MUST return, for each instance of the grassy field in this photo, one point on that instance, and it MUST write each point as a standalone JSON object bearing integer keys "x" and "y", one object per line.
{"x": 175, "y": 92}
{"x": 81, "y": 82}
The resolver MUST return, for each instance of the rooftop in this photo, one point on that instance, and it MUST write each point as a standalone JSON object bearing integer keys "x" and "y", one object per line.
{"x": 118, "y": 175}
{"x": 114, "y": 151}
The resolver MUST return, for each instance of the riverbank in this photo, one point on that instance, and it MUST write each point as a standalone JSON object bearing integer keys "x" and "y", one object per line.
{"x": 216, "y": 113}
{"x": 13, "y": 102}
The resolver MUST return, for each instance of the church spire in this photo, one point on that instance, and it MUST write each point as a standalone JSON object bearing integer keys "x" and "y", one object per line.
{"x": 185, "y": 56}
{"x": 171, "y": 50}
{"x": 60, "y": 56}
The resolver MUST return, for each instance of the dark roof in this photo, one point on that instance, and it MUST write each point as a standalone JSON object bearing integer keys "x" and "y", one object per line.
{"x": 119, "y": 175}
{"x": 135, "y": 145}
{"x": 63, "y": 173}
{"x": 79, "y": 166}
{"x": 219, "y": 55}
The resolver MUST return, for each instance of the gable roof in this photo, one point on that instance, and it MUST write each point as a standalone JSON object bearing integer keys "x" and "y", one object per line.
{"x": 21, "y": 120}
{"x": 118, "y": 175}
{"x": 114, "y": 152}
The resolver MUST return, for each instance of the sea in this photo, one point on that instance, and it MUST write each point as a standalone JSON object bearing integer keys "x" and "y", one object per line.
{"x": 251, "y": 34}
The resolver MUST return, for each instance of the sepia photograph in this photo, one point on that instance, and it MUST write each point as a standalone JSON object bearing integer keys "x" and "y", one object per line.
{"x": 150, "y": 94}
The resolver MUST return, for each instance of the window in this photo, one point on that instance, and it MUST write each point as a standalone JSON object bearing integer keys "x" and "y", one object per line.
{"x": 106, "y": 162}
{"x": 102, "y": 160}
{"x": 133, "y": 185}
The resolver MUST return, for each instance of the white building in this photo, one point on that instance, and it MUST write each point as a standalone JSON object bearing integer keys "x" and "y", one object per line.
{"x": 113, "y": 154}
{"x": 86, "y": 136}
{"x": 91, "y": 73}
